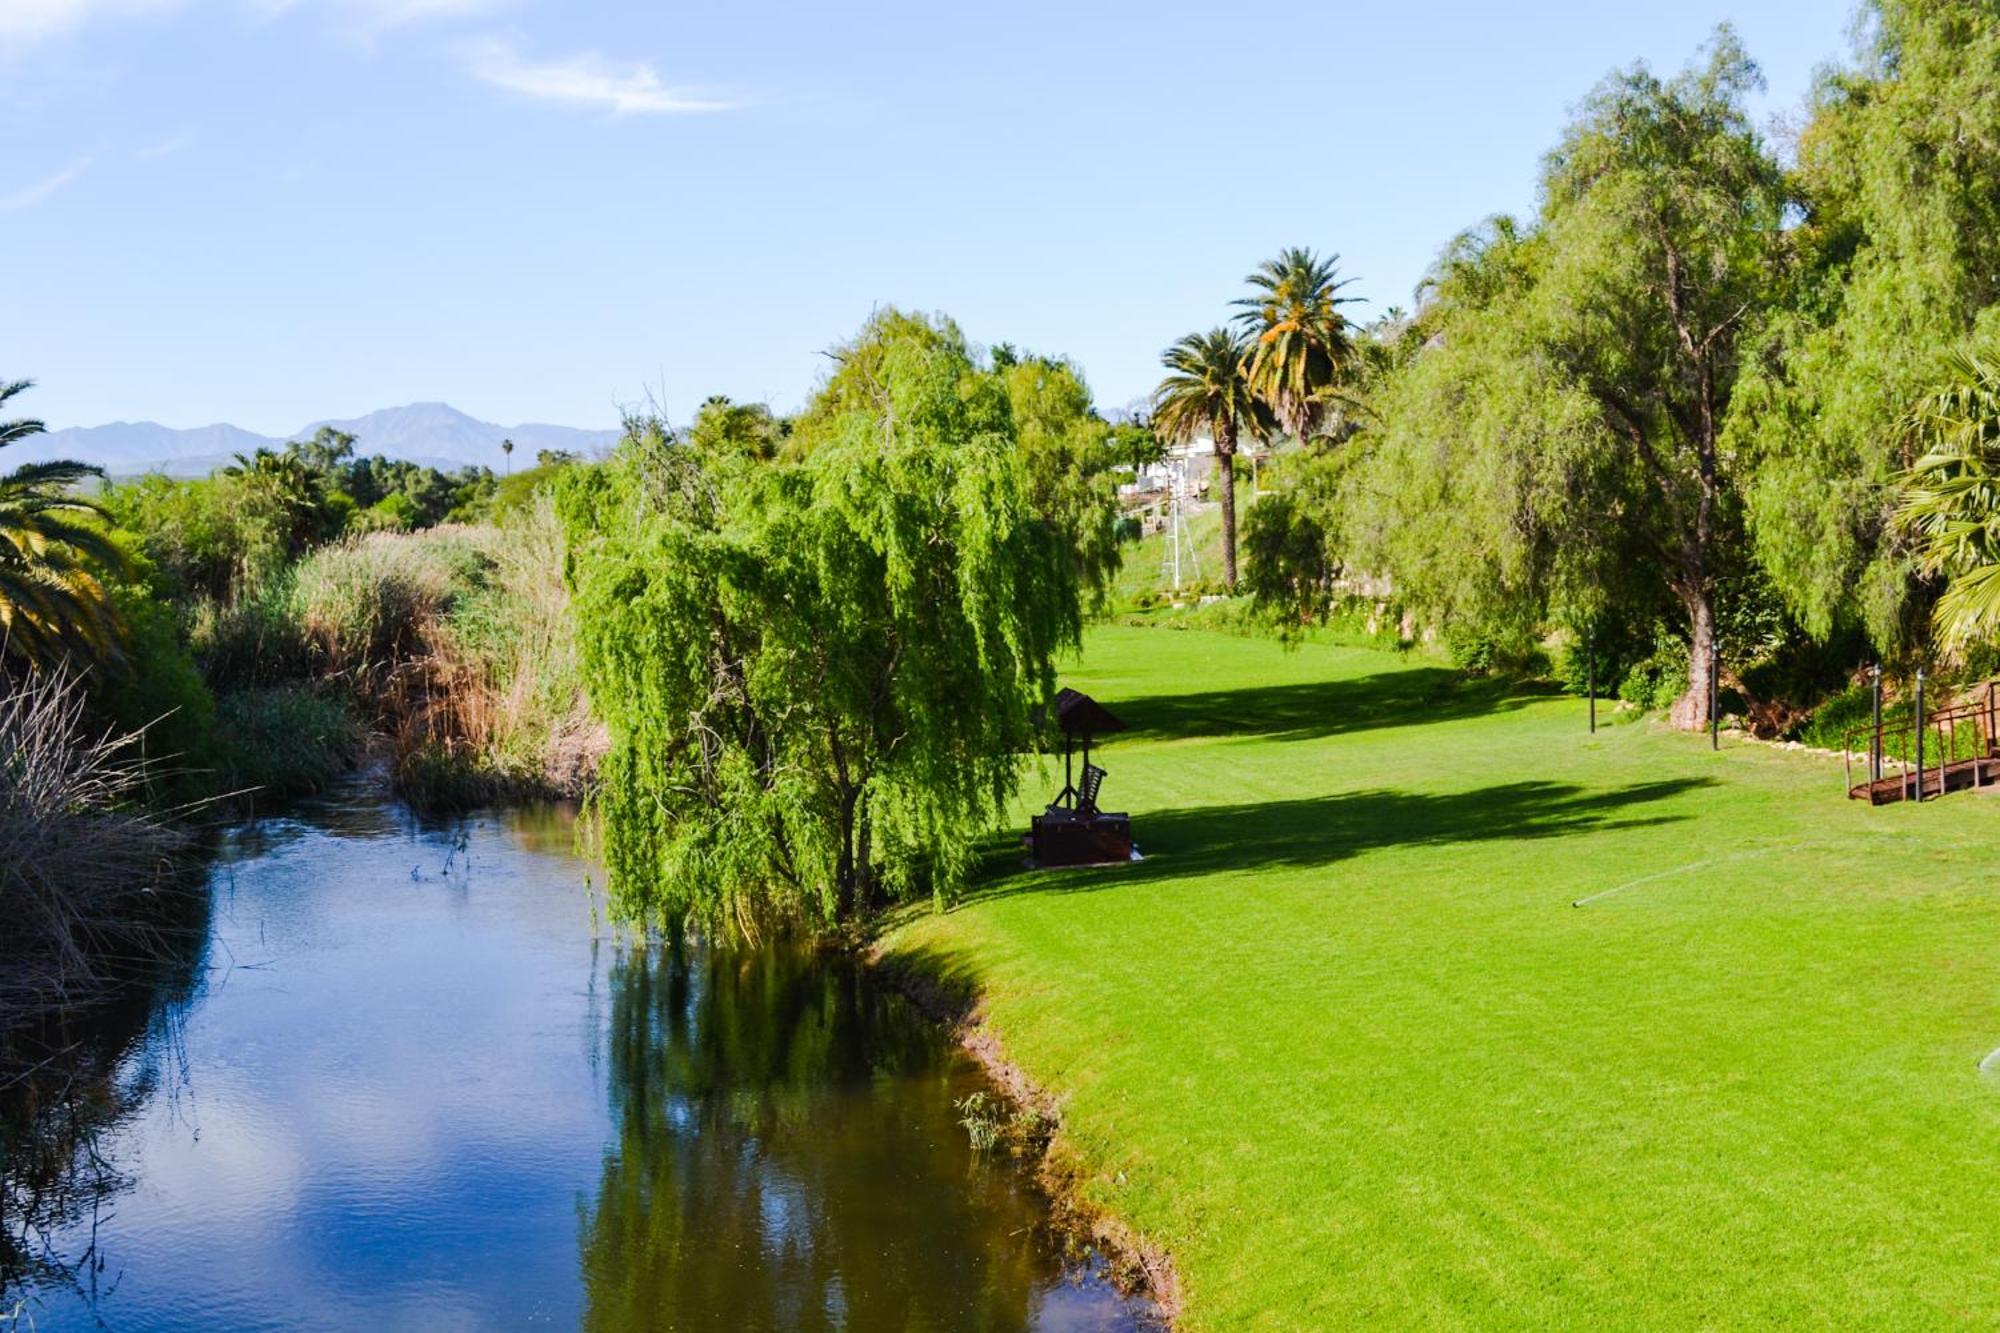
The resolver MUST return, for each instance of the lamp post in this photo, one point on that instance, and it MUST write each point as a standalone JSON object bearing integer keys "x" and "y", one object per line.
{"x": 1920, "y": 735}
{"x": 1875, "y": 745}
{"x": 1590, "y": 675}
{"x": 1714, "y": 676}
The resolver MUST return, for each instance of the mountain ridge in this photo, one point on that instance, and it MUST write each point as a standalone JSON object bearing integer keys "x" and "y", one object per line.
{"x": 433, "y": 433}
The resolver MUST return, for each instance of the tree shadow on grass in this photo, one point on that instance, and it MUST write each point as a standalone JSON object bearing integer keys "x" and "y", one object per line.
{"x": 1410, "y": 697}
{"x": 1319, "y": 830}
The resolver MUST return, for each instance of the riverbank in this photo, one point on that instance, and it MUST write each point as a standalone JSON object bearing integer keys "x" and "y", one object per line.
{"x": 1342, "y": 1046}
{"x": 1029, "y": 1126}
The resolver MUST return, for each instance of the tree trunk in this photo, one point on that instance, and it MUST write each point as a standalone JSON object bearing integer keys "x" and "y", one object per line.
{"x": 1690, "y": 711}
{"x": 1225, "y": 459}
{"x": 864, "y": 855}
{"x": 846, "y": 878}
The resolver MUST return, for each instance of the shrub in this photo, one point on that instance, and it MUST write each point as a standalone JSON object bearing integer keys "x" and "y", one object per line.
{"x": 252, "y": 639}
{"x": 77, "y": 860}
{"x": 456, "y": 643}
{"x": 1480, "y": 653}
{"x": 1657, "y": 680}
{"x": 162, "y": 698}
{"x": 286, "y": 741}
{"x": 367, "y": 604}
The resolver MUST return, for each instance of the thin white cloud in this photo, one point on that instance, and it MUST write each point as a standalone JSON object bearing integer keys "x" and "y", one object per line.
{"x": 23, "y": 22}
{"x": 167, "y": 147}
{"x": 367, "y": 19}
{"x": 30, "y": 195}
{"x": 582, "y": 80}
{"x": 382, "y": 14}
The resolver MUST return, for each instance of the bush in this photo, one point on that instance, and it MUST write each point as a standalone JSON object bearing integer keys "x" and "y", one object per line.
{"x": 1482, "y": 654}
{"x": 161, "y": 697}
{"x": 392, "y": 513}
{"x": 77, "y": 864}
{"x": 1232, "y": 615}
{"x": 456, "y": 643}
{"x": 518, "y": 493}
{"x": 1657, "y": 680}
{"x": 251, "y": 640}
{"x": 202, "y": 535}
{"x": 369, "y": 603}
{"x": 284, "y": 742}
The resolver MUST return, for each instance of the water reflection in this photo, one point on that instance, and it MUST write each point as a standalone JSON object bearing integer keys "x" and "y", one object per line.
{"x": 66, "y": 1084}
{"x": 409, "y": 1083}
{"x": 788, "y": 1152}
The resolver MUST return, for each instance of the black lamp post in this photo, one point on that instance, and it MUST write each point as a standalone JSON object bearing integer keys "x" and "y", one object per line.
{"x": 1920, "y": 735}
{"x": 1590, "y": 675}
{"x": 1714, "y": 679}
{"x": 1875, "y": 745}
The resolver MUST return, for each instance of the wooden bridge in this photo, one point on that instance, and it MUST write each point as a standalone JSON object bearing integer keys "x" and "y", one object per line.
{"x": 1954, "y": 748}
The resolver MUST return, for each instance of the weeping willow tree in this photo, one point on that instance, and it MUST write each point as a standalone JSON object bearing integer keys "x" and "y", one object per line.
{"x": 820, "y": 671}
{"x": 1950, "y": 506}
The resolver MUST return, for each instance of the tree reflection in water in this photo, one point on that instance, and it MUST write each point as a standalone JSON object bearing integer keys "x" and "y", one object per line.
{"x": 66, "y": 1082}
{"x": 761, "y": 1179}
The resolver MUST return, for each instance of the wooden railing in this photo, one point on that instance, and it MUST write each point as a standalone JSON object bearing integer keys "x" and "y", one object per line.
{"x": 1932, "y": 750}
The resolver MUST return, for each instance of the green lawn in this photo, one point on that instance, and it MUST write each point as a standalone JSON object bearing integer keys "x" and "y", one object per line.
{"x": 1343, "y": 1045}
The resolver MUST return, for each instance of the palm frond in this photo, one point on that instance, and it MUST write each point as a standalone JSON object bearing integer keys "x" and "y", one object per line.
{"x": 52, "y": 605}
{"x": 60, "y": 472}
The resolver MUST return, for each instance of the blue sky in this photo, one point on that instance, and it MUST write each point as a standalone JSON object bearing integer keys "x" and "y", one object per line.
{"x": 270, "y": 211}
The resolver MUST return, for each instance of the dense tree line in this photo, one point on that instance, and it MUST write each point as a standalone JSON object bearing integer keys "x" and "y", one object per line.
{"x": 1710, "y": 391}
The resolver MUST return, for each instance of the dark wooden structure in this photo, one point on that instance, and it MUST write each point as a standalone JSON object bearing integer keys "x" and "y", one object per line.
{"x": 1073, "y": 831}
{"x": 1954, "y": 748}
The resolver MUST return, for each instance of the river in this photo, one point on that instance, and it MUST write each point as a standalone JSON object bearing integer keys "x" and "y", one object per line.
{"x": 409, "y": 1078}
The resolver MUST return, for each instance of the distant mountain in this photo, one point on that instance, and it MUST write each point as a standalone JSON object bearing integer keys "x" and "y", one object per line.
{"x": 436, "y": 434}
{"x": 135, "y": 446}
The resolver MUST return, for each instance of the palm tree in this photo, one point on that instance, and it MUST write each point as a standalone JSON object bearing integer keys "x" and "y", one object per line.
{"x": 282, "y": 479}
{"x": 1206, "y": 392}
{"x": 51, "y": 604}
{"x": 507, "y": 448}
{"x": 1951, "y": 494}
{"x": 1304, "y": 352}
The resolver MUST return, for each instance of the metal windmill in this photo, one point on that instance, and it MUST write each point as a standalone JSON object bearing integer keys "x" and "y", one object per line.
{"x": 1180, "y": 539}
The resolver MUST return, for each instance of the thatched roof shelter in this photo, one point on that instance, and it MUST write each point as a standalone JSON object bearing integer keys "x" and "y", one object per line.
{"x": 1080, "y": 715}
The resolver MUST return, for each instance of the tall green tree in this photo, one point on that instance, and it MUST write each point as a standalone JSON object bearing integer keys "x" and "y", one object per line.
{"x": 1584, "y": 370}
{"x": 1664, "y": 210}
{"x": 1899, "y": 254}
{"x": 1552, "y": 439}
{"x": 1206, "y": 392}
{"x": 51, "y": 602}
{"x": 820, "y": 672}
{"x": 1302, "y": 351}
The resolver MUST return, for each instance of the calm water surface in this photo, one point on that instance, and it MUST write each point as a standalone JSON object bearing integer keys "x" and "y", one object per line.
{"x": 413, "y": 1082}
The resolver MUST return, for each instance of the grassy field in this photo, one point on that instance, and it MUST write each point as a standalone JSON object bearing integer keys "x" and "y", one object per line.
{"x": 1343, "y": 1044}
